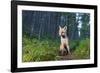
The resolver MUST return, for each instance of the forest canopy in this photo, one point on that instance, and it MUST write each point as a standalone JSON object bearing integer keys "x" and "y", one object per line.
{"x": 43, "y": 23}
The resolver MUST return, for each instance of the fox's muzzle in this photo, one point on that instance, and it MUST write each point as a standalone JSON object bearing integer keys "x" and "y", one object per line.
{"x": 63, "y": 34}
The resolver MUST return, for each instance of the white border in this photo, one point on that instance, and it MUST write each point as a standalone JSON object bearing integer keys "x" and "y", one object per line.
{"x": 53, "y": 63}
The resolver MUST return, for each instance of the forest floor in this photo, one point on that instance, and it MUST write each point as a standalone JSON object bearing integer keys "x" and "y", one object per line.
{"x": 66, "y": 57}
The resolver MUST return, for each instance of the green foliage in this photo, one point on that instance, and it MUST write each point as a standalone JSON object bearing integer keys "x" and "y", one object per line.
{"x": 73, "y": 44}
{"x": 47, "y": 49}
{"x": 39, "y": 50}
{"x": 83, "y": 50}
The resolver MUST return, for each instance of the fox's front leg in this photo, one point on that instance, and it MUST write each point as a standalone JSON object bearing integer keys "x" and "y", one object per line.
{"x": 61, "y": 52}
{"x": 68, "y": 49}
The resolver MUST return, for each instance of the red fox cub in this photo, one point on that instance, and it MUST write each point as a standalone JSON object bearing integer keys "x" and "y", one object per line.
{"x": 64, "y": 46}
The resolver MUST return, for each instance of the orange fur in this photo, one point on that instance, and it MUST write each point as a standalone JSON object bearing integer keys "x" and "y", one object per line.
{"x": 64, "y": 39}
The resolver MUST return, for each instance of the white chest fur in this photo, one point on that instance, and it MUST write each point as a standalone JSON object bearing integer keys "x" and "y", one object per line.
{"x": 64, "y": 40}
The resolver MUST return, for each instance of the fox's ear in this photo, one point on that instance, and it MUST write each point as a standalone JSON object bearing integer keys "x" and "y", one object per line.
{"x": 65, "y": 27}
{"x": 59, "y": 27}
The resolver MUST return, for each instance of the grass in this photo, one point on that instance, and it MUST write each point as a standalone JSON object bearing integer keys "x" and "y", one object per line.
{"x": 47, "y": 49}
{"x": 83, "y": 50}
{"x": 39, "y": 50}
